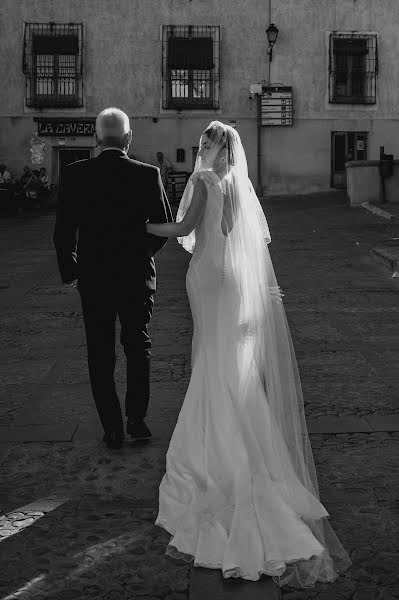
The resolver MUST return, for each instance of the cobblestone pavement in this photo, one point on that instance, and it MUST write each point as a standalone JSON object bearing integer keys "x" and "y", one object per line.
{"x": 78, "y": 520}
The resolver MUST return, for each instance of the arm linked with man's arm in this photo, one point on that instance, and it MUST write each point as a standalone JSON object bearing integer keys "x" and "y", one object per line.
{"x": 159, "y": 212}
{"x": 66, "y": 227}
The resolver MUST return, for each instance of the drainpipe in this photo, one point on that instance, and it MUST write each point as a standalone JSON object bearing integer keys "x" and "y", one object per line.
{"x": 259, "y": 184}
{"x": 382, "y": 178}
{"x": 258, "y": 143}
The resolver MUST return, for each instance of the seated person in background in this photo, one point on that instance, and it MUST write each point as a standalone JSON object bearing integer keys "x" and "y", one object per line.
{"x": 5, "y": 177}
{"x": 165, "y": 168}
{"x": 44, "y": 178}
{"x": 20, "y": 188}
{"x": 44, "y": 191}
{"x": 34, "y": 181}
{"x": 26, "y": 176}
{"x": 29, "y": 187}
{"x": 6, "y": 188}
{"x": 35, "y": 187}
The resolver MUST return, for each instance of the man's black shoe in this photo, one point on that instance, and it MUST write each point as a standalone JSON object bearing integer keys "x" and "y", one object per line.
{"x": 113, "y": 440}
{"x": 138, "y": 429}
{"x": 106, "y": 436}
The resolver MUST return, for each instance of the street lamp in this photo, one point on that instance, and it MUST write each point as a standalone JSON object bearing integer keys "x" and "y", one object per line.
{"x": 272, "y": 33}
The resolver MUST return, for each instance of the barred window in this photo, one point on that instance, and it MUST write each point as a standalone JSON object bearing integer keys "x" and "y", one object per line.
{"x": 52, "y": 63}
{"x": 190, "y": 67}
{"x": 353, "y": 68}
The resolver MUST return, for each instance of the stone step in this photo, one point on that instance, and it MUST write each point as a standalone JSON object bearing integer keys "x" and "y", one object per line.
{"x": 387, "y": 255}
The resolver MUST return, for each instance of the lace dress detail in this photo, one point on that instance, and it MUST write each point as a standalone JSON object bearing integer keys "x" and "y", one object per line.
{"x": 224, "y": 263}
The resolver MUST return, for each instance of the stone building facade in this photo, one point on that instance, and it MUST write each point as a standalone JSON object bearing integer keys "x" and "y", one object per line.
{"x": 175, "y": 65}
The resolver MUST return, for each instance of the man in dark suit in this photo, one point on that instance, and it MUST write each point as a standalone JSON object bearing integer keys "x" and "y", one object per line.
{"x": 108, "y": 200}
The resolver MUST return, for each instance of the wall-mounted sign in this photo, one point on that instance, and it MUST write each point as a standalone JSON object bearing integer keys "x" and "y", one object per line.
{"x": 65, "y": 127}
{"x": 277, "y": 105}
{"x": 359, "y": 144}
{"x": 36, "y": 149}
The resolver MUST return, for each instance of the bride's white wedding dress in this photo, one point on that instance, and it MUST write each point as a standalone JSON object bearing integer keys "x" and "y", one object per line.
{"x": 224, "y": 497}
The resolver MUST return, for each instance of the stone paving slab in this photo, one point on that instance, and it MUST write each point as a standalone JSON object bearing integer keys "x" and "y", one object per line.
{"x": 21, "y": 280}
{"x": 385, "y": 364}
{"x": 338, "y": 425}
{"x": 342, "y": 398}
{"x": 207, "y": 583}
{"x": 38, "y": 433}
{"x": 377, "y": 330}
{"x": 13, "y": 398}
{"x": 161, "y": 430}
{"x": 383, "y": 422}
{"x": 335, "y": 365}
{"x": 18, "y": 325}
{"x": 58, "y": 404}
{"x": 22, "y": 370}
{"x": 4, "y": 449}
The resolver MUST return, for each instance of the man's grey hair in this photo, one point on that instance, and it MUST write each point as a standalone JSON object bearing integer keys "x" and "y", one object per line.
{"x": 112, "y": 125}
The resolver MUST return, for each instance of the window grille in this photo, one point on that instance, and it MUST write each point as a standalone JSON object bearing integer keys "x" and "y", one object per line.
{"x": 52, "y": 63}
{"x": 190, "y": 66}
{"x": 353, "y": 68}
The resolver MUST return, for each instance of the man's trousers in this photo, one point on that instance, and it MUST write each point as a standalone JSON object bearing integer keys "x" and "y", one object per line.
{"x": 101, "y": 306}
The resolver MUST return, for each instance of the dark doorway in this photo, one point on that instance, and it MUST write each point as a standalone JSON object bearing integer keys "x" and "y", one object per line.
{"x": 346, "y": 146}
{"x": 66, "y": 156}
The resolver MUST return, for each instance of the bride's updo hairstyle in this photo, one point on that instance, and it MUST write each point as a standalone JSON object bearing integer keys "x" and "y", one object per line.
{"x": 222, "y": 137}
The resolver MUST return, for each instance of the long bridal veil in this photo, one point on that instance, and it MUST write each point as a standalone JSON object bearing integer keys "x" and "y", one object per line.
{"x": 269, "y": 352}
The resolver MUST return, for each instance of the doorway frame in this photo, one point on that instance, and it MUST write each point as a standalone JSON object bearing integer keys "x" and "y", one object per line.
{"x": 61, "y": 148}
{"x": 344, "y": 132}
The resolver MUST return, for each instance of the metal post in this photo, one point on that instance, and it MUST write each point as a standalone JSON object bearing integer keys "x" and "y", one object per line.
{"x": 382, "y": 178}
{"x": 259, "y": 154}
{"x": 173, "y": 188}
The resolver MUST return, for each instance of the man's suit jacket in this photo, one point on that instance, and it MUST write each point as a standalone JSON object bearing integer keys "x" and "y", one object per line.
{"x": 107, "y": 201}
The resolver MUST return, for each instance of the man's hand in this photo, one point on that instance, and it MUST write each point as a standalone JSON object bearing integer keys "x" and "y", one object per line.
{"x": 71, "y": 284}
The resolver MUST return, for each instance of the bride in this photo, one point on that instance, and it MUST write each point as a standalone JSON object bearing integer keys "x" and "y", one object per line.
{"x": 240, "y": 490}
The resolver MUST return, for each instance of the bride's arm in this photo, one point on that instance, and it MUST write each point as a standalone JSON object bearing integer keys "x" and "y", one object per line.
{"x": 191, "y": 218}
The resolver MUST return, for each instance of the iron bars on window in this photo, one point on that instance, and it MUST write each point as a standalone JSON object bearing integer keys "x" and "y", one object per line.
{"x": 53, "y": 64}
{"x": 190, "y": 67}
{"x": 353, "y": 68}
